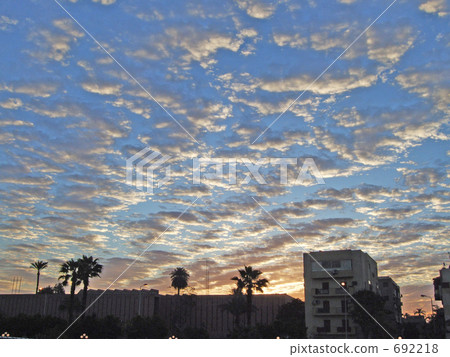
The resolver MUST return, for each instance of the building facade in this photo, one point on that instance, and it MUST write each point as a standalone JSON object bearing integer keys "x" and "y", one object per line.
{"x": 442, "y": 293}
{"x": 329, "y": 277}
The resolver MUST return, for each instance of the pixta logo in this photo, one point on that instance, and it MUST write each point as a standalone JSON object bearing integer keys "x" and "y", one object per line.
{"x": 146, "y": 165}
{"x": 145, "y": 175}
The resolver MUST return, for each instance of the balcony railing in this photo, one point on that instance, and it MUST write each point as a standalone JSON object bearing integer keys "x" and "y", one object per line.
{"x": 331, "y": 291}
{"x": 341, "y": 329}
{"x": 329, "y": 311}
{"x": 333, "y": 272}
{"x": 321, "y": 291}
{"x": 323, "y": 330}
{"x": 322, "y": 310}
{"x": 341, "y": 291}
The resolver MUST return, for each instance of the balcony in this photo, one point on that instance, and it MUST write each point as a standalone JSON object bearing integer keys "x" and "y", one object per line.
{"x": 335, "y": 273}
{"x": 323, "y": 329}
{"x": 341, "y": 329}
{"x": 342, "y": 291}
{"x": 321, "y": 310}
{"x": 331, "y": 292}
{"x": 321, "y": 291}
{"x": 330, "y": 311}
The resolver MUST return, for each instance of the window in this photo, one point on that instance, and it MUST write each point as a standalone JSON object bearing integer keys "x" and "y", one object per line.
{"x": 325, "y": 309}
{"x": 326, "y": 327}
{"x": 385, "y": 284}
{"x": 344, "y": 325}
{"x": 345, "y": 264}
{"x": 325, "y": 285}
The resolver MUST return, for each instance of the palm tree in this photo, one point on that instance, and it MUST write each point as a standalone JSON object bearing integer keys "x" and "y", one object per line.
{"x": 249, "y": 282}
{"x": 236, "y": 306}
{"x": 88, "y": 268}
{"x": 70, "y": 272}
{"x": 180, "y": 278}
{"x": 419, "y": 312}
{"x": 38, "y": 265}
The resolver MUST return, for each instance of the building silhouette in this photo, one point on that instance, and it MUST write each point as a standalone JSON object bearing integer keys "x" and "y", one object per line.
{"x": 442, "y": 293}
{"x": 390, "y": 291}
{"x": 330, "y": 278}
{"x": 195, "y": 311}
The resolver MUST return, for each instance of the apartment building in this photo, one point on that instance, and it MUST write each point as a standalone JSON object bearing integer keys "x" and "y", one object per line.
{"x": 442, "y": 293}
{"x": 390, "y": 291}
{"x": 329, "y": 276}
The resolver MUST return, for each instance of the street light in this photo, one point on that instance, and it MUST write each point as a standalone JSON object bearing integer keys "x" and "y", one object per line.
{"x": 5, "y": 334}
{"x": 84, "y": 336}
{"x": 140, "y": 298}
{"x": 431, "y": 302}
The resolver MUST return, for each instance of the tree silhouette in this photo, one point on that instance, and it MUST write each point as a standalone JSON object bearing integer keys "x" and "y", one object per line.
{"x": 236, "y": 306}
{"x": 249, "y": 281}
{"x": 38, "y": 265}
{"x": 419, "y": 312}
{"x": 88, "y": 268}
{"x": 374, "y": 305}
{"x": 290, "y": 320}
{"x": 180, "y": 278}
{"x": 70, "y": 272}
{"x": 57, "y": 289}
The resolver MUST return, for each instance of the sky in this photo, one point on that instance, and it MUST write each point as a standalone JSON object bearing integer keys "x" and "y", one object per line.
{"x": 251, "y": 81}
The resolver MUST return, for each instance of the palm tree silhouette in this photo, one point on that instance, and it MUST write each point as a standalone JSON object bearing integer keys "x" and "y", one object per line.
{"x": 249, "y": 282}
{"x": 419, "y": 312}
{"x": 180, "y": 278}
{"x": 88, "y": 267}
{"x": 70, "y": 272}
{"x": 236, "y": 306}
{"x": 38, "y": 265}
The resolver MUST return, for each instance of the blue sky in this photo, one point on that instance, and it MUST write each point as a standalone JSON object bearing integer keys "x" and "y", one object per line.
{"x": 375, "y": 124}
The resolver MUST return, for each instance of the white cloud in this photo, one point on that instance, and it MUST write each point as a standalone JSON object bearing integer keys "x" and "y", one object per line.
{"x": 11, "y": 103}
{"x": 387, "y": 44}
{"x": 101, "y": 87}
{"x": 55, "y": 45}
{"x": 6, "y": 22}
{"x": 438, "y": 7}
{"x": 349, "y": 118}
{"x": 257, "y": 8}
{"x": 5, "y": 122}
{"x": 102, "y": 2}
{"x": 36, "y": 89}
{"x": 201, "y": 45}
{"x": 428, "y": 84}
{"x": 105, "y": 2}
{"x": 68, "y": 26}
{"x": 354, "y": 78}
{"x": 294, "y": 41}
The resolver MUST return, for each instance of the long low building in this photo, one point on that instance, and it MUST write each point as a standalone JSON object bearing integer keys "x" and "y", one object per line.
{"x": 207, "y": 311}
